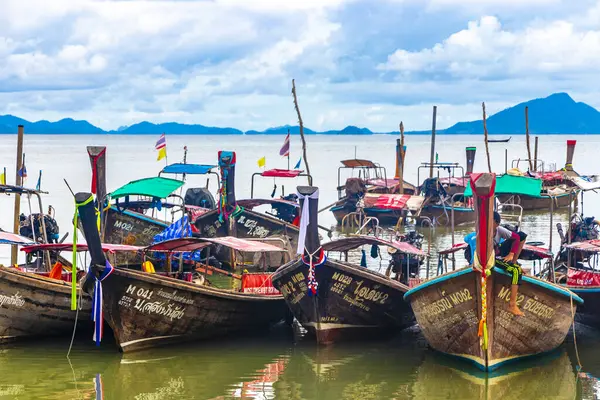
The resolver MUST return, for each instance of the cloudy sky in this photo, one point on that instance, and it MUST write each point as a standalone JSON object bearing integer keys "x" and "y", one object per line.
{"x": 230, "y": 62}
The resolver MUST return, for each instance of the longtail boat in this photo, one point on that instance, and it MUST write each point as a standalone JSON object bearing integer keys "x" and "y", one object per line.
{"x": 147, "y": 309}
{"x": 576, "y": 262}
{"x": 465, "y": 313}
{"x": 124, "y": 225}
{"x": 336, "y": 300}
{"x": 31, "y": 303}
{"x": 231, "y": 219}
{"x": 369, "y": 191}
{"x": 37, "y": 297}
{"x": 535, "y": 190}
{"x": 445, "y": 203}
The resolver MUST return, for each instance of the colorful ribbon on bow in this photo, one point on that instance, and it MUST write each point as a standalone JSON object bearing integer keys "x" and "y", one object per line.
{"x": 312, "y": 283}
{"x": 304, "y": 219}
{"x": 97, "y": 307}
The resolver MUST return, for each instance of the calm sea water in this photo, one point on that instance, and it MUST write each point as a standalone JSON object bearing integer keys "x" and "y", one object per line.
{"x": 282, "y": 365}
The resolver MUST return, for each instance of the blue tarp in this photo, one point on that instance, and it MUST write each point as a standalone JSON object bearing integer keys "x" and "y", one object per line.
{"x": 192, "y": 169}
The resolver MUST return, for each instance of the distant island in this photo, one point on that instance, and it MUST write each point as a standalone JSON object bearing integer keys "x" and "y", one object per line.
{"x": 555, "y": 114}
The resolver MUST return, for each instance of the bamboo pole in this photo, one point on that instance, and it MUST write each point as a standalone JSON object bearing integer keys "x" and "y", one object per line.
{"x": 18, "y": 182}
{"x": 431, "y": 158}
{"x": 535, "y": 153}
{"x": 527, "y": 138}
{"x": 301, "y": 126}
{"x": 401, "y": 167}
{"x": 485, "y": 137}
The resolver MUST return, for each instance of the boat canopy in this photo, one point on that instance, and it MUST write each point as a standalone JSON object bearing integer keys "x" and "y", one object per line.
{"x": 11, "y": 189}
{"x": 393, "y": 201}
{"x": 586, "y": 182}
{"x": 537, "y": 251}
{"x": 252, "y": 203}
{"x": 588, "y": 246}
{"x": 13, "y": 238}
{"x": 157, "y": 187}
{"x": 352, "y": 242}
{"x": 193, "y": 244}
{"x": 107, "y": 247}
{"x": 191, "y": 169}
{"x": 356, "y": 163}
{"x": 282, "y": 173}
{"x": 519, "y": 185}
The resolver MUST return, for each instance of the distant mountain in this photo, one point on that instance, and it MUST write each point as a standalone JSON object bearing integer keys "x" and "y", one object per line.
{"x": 176, "y": 129}
{"x": 10, "y": 123}
{"x": 555, "y": 114}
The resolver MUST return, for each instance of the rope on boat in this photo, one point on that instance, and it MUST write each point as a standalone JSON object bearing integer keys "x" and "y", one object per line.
{"x": 75, "y": 325}
{"x": 579, "y": 366}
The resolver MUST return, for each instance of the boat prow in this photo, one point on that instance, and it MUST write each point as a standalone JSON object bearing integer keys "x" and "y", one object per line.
{"x": 448, "y": 310}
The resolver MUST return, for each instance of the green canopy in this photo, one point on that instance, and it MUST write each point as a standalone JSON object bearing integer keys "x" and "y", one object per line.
{"x": 152, "y": 187}
{"x": 510, "y": 184}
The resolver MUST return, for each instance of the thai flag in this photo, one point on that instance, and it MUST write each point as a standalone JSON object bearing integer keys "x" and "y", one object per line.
{"x": 285, "y": 149}
{"x": 161, "y": 142}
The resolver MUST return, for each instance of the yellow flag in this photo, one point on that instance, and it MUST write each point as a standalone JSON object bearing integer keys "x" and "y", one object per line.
{"x": 3, "y": 178}
{"x": 261, "y": 161}
{"x": 162, "y": 153}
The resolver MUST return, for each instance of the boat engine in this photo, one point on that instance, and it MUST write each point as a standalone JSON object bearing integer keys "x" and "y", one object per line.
{"x": 200, "y": 197}
{"x": 286, "y": 212}
{"x": 355, "y": 190}
{"x": 26, "y": 229}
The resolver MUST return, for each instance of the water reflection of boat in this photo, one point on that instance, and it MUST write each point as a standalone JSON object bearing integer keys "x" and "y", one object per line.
{"x": 246, "y": 370}
{"x": 375, "y": 371}
{"x": 40, "y": 370}
{"x": 546, "y": 377}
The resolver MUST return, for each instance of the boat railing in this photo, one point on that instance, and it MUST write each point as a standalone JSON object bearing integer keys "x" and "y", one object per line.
{"x": 536, "y": 162}
{"x": 512, "y": 213}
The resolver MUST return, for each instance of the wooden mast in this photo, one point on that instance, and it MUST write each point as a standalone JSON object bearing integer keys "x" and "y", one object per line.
{"x": 432, "y": 155}
{"x": 400, "y": 153}
{"x": 485, "y": 138}
{"x": 301, "y": 126}
{"x": 527, "y": 138}
{"x": 18, "y": 182}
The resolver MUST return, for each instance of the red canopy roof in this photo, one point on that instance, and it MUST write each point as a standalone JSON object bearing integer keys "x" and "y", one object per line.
{"x": 282, "y": 173}
{"x": 352, "y": 242}
{"x": 537, "y": 251}
{"x": 590, "y": 246}
{"x": 12, "y": 238}
{"x": 111, "y": 248}
{"x": 193, "y": 244}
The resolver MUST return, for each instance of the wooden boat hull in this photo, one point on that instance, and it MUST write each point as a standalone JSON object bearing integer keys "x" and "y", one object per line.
{"x": 589, "y": 312}
{"x": 384, "y": 216}
{"x": 444, "y": 214}
{"x": 128, "y": 227}
{"x": 536, "y": 203}
{"x": 448, "y": 310}
{"x": 34, "y": 306}
{"x": 132, "y": 228}
{"x": 350, "y": 303}
{"x": 145, "y": 310}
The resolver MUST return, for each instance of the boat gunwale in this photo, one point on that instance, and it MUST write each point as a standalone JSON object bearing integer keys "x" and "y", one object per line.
{"x": 536, "y": 281}
{"x": 192, "y": 287}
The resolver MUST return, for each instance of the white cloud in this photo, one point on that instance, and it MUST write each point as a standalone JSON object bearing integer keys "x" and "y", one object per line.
{"x": 486, "y": 50}
{"x": 230, "y": 62}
